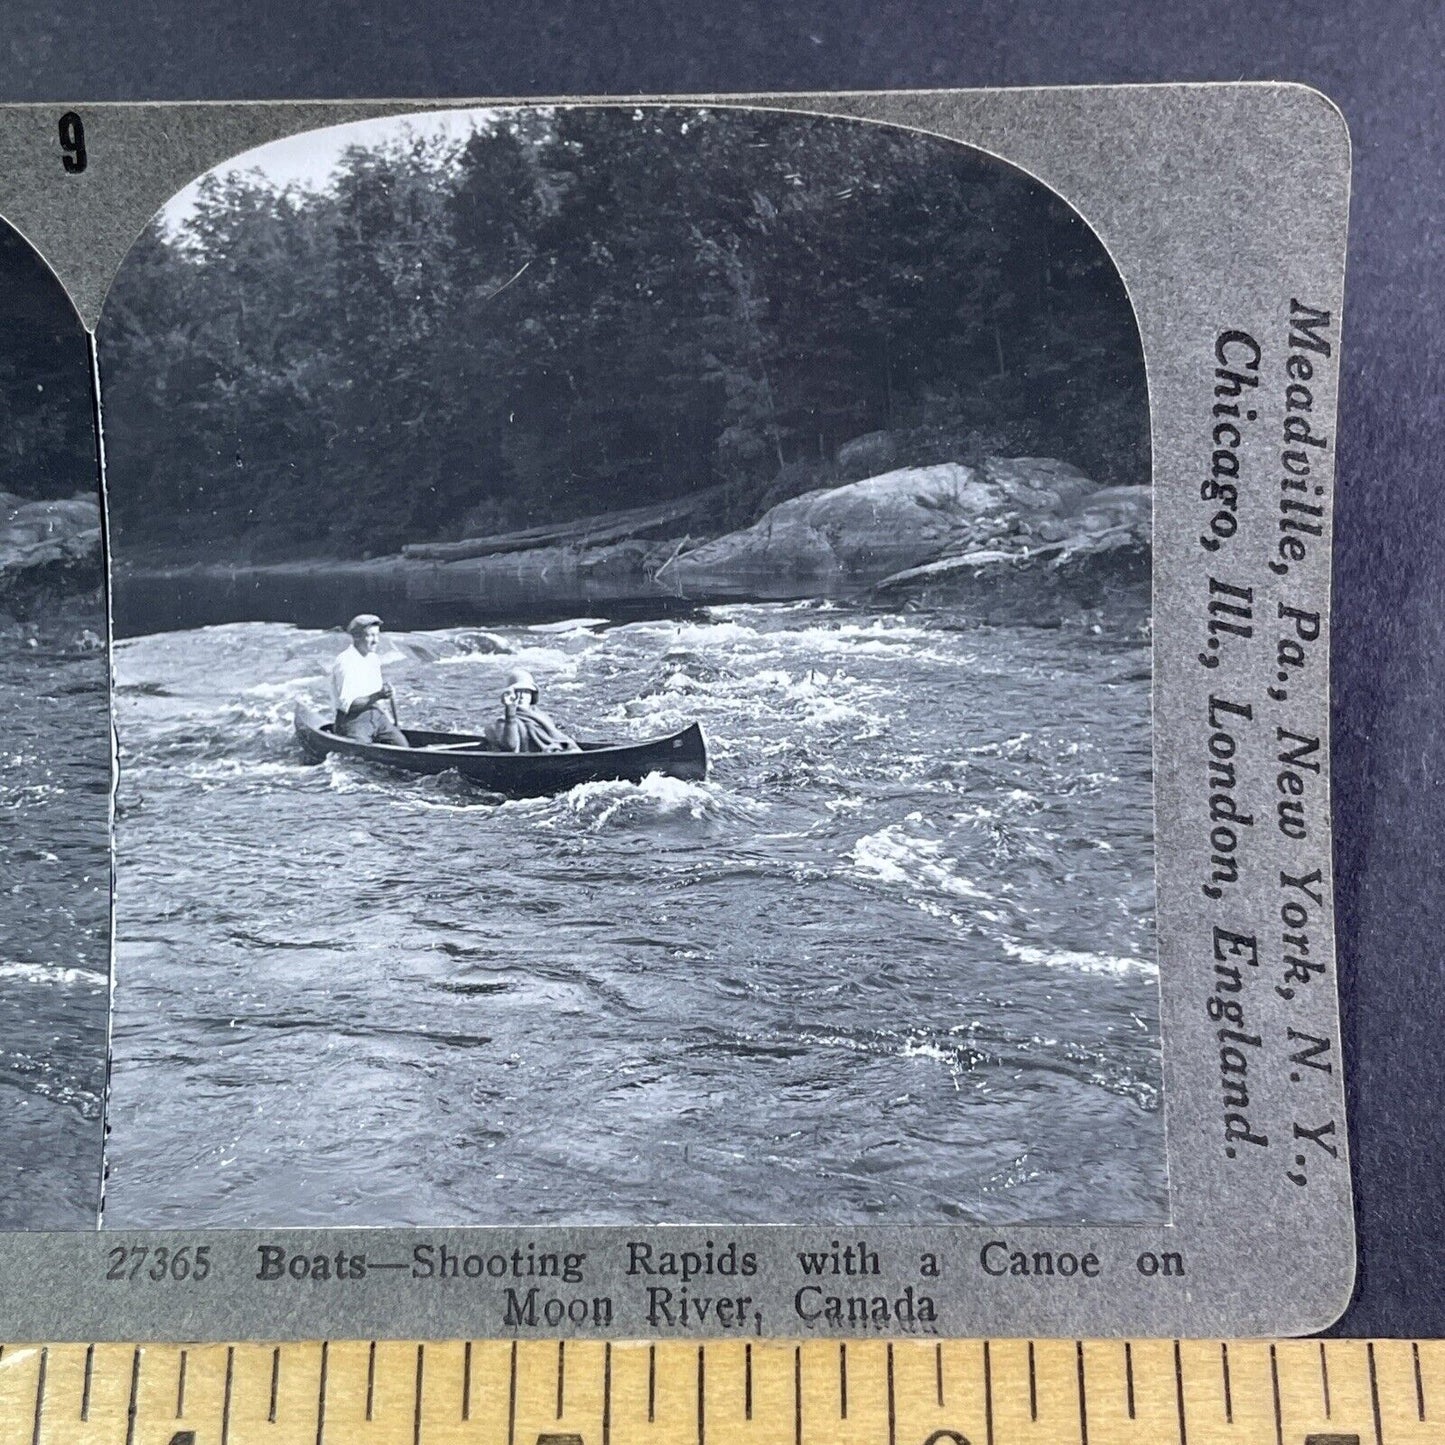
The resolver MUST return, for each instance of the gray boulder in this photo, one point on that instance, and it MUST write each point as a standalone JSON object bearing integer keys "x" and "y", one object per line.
{"x": 1094, "y": 554}
{"x": 37, "y": 534}
{"x": 849, "y": 538}
{"x": 868, "y": 455}
{"x": 50, "y": 559}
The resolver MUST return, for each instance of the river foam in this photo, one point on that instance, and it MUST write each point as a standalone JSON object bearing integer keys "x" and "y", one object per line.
{"x": 906, "y": 919}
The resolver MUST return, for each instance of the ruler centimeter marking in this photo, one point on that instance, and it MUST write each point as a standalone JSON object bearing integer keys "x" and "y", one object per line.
{"x": 859, "y": 1392}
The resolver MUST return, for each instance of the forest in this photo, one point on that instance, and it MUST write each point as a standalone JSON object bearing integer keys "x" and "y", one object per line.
{"x": 574, "y": 311}
{"x": 47, "y": 443}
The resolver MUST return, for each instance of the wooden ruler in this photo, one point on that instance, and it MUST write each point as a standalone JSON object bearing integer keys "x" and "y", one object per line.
{"x": 911, "y": 1392}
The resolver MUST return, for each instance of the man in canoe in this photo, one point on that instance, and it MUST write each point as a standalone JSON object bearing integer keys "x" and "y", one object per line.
{"x": 523, "y": 726}
{"x": 358, "y": 688}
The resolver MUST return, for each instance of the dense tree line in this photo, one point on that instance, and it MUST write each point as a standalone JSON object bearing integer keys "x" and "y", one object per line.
{"x": 585, "y": 309}
{"x": 47, "y": 443}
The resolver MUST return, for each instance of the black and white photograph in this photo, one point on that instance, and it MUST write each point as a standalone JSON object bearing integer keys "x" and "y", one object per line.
{"x": 55, "y": 716}
{"x": 632, "y": 686}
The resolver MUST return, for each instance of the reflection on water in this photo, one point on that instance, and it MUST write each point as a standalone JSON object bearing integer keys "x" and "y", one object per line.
{"x": 893, "y": 960}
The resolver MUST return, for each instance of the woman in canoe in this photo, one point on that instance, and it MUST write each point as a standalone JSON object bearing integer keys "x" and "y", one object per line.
{"x": 523, "y": 726}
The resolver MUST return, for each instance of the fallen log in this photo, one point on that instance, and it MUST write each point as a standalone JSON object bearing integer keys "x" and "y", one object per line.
{"x": 593, "y": 531}
{"x": 973, "y": 561}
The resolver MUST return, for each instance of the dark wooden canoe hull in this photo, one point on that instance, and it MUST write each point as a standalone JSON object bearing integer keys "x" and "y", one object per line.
{"x": 517, "y": 775}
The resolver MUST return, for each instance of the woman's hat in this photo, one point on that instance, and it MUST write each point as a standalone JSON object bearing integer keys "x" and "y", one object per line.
{"x": 522, "y": 680}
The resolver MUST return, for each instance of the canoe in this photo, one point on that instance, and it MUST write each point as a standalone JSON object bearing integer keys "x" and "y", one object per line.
{"x": 517, "y": 775}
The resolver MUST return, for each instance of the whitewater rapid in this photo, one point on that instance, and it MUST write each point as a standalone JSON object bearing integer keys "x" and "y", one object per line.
{"x": 893, "y": 959}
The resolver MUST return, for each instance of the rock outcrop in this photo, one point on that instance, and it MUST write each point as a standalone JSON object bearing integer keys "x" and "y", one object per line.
{"x": 868, "y": 455}
{"x": 49, "y": 552}
{"x": 1110, "y": 523}
{"x": 917, "y": 525}
{"x": 1023, "y": 538}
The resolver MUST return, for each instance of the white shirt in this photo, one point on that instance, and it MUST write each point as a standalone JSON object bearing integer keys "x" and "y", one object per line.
{"x": 354, "y": 676}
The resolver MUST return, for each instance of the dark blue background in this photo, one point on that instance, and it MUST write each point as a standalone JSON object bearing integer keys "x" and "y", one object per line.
{"x": 1384, "y": 65}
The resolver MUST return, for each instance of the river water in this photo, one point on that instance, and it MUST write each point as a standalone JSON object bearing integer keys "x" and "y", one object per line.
{"x": 893, "y": 960}
{"x": 54, "y": 917}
